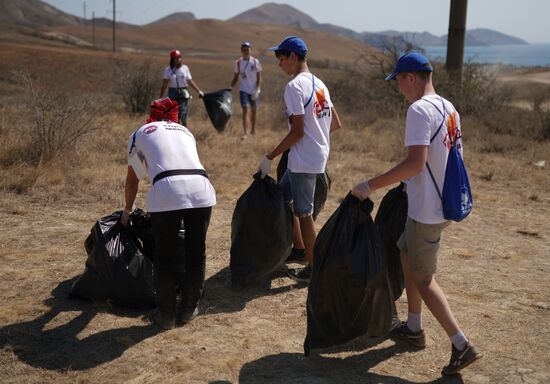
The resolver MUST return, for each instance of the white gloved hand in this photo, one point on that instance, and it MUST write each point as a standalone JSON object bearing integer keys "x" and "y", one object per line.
{"x": 255, "y": 94}
{"x": 125, "y": 217}
{"x": 201, "y": 94}
{"x": 264, "y": 167}
{"x": 361, "y": 190}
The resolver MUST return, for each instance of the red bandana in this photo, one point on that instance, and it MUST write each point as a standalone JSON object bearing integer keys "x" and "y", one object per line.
{"x": 163, "y": 109}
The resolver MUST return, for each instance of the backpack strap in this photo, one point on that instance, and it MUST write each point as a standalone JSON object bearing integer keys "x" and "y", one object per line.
{"x": 432, "y": 139}
{"x": 312, "y": 91}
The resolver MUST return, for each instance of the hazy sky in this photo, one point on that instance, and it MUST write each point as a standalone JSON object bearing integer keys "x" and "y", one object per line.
{"x": 526, "y": 19}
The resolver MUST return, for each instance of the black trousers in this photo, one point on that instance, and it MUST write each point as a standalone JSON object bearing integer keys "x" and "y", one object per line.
{"x": 179, "y": 263}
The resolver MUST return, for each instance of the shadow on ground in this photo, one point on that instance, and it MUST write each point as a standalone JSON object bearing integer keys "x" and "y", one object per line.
{"x": 295, "y": 368}
{"x": 221, "y": 297}
{"x": 60, "y": 348}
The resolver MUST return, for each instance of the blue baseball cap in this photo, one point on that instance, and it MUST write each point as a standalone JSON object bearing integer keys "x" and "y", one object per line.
{"x": 246, "y": 44}
{"x": 411, "y": 62}
{"x": 291, "y": 44}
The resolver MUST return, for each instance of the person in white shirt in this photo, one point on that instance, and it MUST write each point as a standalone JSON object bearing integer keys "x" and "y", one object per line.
{"x": 166, "y": 153}
{"x": 311, "y": 120}
{"x": 248, "y": 73}
{"x": 176, "y": 79}
{"x": 431, "y": 123}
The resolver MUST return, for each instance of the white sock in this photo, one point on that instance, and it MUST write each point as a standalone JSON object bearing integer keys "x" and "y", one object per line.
{"x": 414, "y": 322}
{"x": 459, "y": 340}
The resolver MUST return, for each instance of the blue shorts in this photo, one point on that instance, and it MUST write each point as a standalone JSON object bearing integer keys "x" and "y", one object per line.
{"x": 246, "y": 100}
{"x": 299, "y": 189}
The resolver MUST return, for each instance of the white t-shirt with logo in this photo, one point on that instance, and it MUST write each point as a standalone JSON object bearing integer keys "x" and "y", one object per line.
{"x": 423, "y": 121}
{"x": 248, "y": 73}
{"x": 310, "y": 153}
{"x": 163, "y": 146}
{"x": 182, "y": 73}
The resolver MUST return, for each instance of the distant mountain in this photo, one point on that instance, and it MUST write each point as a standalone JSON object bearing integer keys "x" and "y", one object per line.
{"x": 283, "y": 14}
{"x": 175, "y": 18}
{"x": 36, "y": 13}
{"x": 482, "y": 36}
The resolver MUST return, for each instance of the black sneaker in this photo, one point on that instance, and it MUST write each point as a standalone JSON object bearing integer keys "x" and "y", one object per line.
{"x": 297, "y": 256}
{"x": 186, "y": 315}
{"x": 402, "y": 332}
{"x": 302, "y": 275}
{"x": 461, "y": 359}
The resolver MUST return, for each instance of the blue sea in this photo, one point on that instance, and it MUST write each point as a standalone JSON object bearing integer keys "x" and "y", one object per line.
{"x": 521, "y": 55}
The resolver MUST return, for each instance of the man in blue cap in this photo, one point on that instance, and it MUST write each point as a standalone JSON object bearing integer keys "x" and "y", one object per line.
{"x": 431, "y": 123}
{"x": 311, "y": 119}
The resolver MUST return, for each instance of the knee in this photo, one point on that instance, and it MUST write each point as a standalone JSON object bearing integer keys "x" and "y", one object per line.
{"x": 422, "y": 281}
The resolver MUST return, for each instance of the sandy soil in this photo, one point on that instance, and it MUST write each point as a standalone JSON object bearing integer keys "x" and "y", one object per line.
{"x": 493, "y": 267}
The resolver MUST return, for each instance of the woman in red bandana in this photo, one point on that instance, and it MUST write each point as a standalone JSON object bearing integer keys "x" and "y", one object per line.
{"x": 181, "y": 193}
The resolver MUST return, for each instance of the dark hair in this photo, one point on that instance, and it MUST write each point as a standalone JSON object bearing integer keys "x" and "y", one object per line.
{"x": 174, "y": 62}
{"x": 423, "y": 75}
{"x": 286, "y": 53}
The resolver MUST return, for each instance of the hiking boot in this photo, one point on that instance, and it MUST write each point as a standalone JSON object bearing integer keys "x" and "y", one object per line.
{"x": 297, "y": 256}
{"x": 402, "y": 332}
{"x": 160, "y": 320}
{"x": 461, "y": 359}
{"x": 302, "y": 275}
{"x": 186, "y": 315}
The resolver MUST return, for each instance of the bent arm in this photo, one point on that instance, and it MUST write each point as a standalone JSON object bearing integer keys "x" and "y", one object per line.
{"x": 130, "y": 188}
{"x": 294, "y": 135}
{"x": 411, "y": 166}
{"x": 193, "y": 85}
{"x": 235, "y": 80}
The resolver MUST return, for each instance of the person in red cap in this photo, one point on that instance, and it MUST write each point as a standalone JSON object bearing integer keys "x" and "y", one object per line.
{"x": 432, "y": 122}
{"x": 176, "y": 79}
{"x": 247, "y": 71}
{"x": 181, "y": 192}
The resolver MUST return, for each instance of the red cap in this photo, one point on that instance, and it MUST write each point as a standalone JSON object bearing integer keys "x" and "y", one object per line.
{"x": 174, "y": 53}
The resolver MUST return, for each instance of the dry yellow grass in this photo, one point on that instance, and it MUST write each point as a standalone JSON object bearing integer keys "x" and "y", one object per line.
{"x": 494, "y": 272}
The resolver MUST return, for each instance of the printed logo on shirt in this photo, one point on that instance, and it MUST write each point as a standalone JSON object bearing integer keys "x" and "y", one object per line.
{"x": 453, "y": 133}
{"x": 150, "y": 129}
{"x": 320, "y": 106}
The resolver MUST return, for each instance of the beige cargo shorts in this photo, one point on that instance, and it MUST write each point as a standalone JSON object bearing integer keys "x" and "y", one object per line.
{"x": 420, "y": 242}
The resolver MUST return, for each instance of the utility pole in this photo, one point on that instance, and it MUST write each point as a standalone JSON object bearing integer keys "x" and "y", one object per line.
{"x": 114, "y": 25}
{"x": 456, "y": 38}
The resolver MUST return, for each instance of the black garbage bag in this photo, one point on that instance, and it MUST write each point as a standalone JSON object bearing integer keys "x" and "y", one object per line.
{"x": 116, "y": 268}
{"x": 349, "y": 293}
{"x": 218, "y": 107}
{"x": 390, "y": 220}
{"x": 322, "y": 185}
{"x": 261, "y": 232}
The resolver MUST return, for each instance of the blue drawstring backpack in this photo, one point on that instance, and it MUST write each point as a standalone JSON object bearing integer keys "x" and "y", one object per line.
{"x": 456, "y": 196}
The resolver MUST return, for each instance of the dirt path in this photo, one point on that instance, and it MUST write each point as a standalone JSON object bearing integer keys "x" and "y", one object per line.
{"x": 494, "y": 268}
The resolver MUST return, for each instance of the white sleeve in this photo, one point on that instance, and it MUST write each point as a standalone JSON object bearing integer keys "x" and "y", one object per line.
{"x": 417, "y": 129}
{"x": 294, "y": 99}
{"x": 134, "y": 159}
{"x": 188, "y": 74}
{"x": 258, "y": 65}
{"x": 236, "y": 66}
{"x": 166, "y": 74}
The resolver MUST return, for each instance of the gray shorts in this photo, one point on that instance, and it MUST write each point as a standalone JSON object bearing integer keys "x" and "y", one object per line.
{"x": 420, "y": 242}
